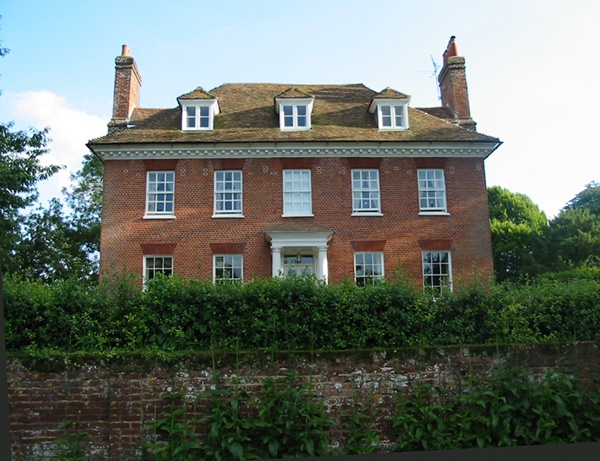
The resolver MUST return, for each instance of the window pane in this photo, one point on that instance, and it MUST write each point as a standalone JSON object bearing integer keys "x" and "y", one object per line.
{"x": 368, "y": 268}
{"x": 432, "y": 193}
{"x": 160, "y": 182}
{"x": 228, "y": 192}
{"x": 365, "y": 191}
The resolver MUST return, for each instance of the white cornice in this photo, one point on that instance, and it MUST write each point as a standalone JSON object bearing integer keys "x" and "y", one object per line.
{"x": 279, "y": 150}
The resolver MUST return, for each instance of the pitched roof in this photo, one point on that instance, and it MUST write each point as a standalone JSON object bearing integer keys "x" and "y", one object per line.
{"x": 390, "y": 93}
{"x": 248, "y": 114}
{"x": 198, "y": 93}
{"x": 294, "y": 93}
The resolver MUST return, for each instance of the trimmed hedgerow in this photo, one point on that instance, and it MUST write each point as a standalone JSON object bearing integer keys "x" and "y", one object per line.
{"x": 293, "y": 313}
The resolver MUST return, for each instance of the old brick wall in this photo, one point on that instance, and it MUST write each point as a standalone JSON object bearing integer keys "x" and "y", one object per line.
{"x": 465, "y": 229}
{"x": 114, "y": 400}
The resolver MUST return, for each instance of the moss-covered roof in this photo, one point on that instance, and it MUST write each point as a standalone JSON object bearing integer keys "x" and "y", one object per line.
{"x": 247, "y": 114}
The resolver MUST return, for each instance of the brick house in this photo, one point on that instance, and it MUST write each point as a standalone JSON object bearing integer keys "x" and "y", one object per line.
{"x": 257, "y": 180}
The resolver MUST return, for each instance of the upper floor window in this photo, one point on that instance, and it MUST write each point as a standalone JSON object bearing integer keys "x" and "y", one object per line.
{"x": 228, "y": 193}
{"x": 228, "y": 268}
{"x": 297, "y": 195}
{"x": 368, "y": 268}
{"x": 197, "y": 117}
{"x": 160, "y": 193}
{"x": 437, "y": 270}
{"x": 391, "y": 109}
{"x": 365, "y": 192}
{"x": 294, "y": 117}
{"x": 294, "y": 113}
{"x": 198, "y": 112}
{"x": 432, "y": 191}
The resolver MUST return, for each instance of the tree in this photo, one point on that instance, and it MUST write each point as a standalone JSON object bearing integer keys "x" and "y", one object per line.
{"x": 50, "y": 247}
{"x": 85, "y": 199}
{"x": 589, "y": 199}
{"x": 574, "y": 235}
{"x": 518, "y": 228}
{"x": 20, "y": 171}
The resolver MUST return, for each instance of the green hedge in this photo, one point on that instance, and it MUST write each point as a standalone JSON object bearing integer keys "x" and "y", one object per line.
{"x": 291, "y": 314}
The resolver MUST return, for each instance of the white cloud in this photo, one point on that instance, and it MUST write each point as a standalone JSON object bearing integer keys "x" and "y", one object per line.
{"x": 70, "y": 130}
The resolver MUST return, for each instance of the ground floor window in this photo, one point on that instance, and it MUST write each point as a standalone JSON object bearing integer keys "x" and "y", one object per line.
{"x": 437, "y": 271}
{"x": 228, "y": 268}
{"x": 157, "y": 265}
{"x": 368, "y": 268}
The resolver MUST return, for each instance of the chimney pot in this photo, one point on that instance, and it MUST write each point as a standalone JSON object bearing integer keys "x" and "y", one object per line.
{"x": 126, "y": 51}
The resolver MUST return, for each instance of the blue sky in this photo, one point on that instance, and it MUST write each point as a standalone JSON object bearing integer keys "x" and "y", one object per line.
{"x": 532, "y": 68}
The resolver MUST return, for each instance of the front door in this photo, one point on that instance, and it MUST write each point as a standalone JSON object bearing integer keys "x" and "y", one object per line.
{"x": 298, "y": 264}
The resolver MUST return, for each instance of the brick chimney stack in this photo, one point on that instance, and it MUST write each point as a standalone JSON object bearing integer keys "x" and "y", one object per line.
{"x": 128, "y": 82}
{"x": 453, "y": 86}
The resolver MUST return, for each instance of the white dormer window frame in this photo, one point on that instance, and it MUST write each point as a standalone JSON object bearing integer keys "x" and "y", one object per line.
{"x": 392, "y": 114}
{"x": 294, "y": 114}
{"x": 198, "y": 114}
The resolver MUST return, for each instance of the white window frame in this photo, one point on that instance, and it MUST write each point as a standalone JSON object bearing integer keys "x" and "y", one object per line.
{"x": 222, "y": 262}
{"x": 285, "y": 104}
{"x": 203, "y": 109}
{"x": 155, "y": 270}
{"x": 221, "y": 187}
{"x": 396, "y": 111}
{"x": 361, "y": 259}
{"x": 437, "y": 273}
{"x": 301, "y": 195}
{"x": 155, "y": 189}
{"x": 372, "y": 191}
{"x": 432, "y": 191}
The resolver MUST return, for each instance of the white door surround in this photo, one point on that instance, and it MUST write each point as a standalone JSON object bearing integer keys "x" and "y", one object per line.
{"x": 313, "y": 243}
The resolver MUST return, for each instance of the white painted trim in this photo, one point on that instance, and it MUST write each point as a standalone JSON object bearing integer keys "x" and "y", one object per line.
{"x": 159, "y": 216}
{"x": 293, "y": 149}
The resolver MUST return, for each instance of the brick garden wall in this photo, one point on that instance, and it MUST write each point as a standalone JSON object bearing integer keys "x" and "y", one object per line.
{"x": 114, "y": 400}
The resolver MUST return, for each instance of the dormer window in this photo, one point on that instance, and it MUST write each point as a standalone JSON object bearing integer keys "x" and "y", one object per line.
{"x": 197, "y": 117}
{"x": 391, "y": 108}
{"x": 198, "y": 110}
{"x": 294, "y": 108}
{"x": 391, "y": 117}
{"x": 294, "y": 117}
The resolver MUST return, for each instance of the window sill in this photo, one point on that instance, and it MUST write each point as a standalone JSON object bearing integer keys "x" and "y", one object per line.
{"x": 298, "y": 215}
{"x": 225, "y": 215}
{"x": 159, "y": 216}
{"x": 370, "y": 213}
{"x": 434, "y": 213}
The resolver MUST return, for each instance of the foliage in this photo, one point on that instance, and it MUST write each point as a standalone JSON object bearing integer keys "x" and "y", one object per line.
{"x": 84, "y": 197}
{"x": 587, "y": 199}
{"x": 574, "y": 238}
{"x": 362, "y": 438}
{"x": 20, "y": 171}
{"x": 50, "y": 247}
{"x": 72, "y": 447}
{"x": 284, "y": 420}
{"x": 509, "y": 409}
{"x": 290, "y": 422}
{"x": 518, "y": 230}
{"x": 181, "y": 441}
{"x": 292, "y": 314}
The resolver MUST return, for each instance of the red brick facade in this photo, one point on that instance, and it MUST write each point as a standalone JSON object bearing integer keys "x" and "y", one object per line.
{"x": 194, "y": 235}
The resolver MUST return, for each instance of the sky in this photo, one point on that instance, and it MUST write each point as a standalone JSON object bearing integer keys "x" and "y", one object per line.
{"x": 532, "y": 68}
